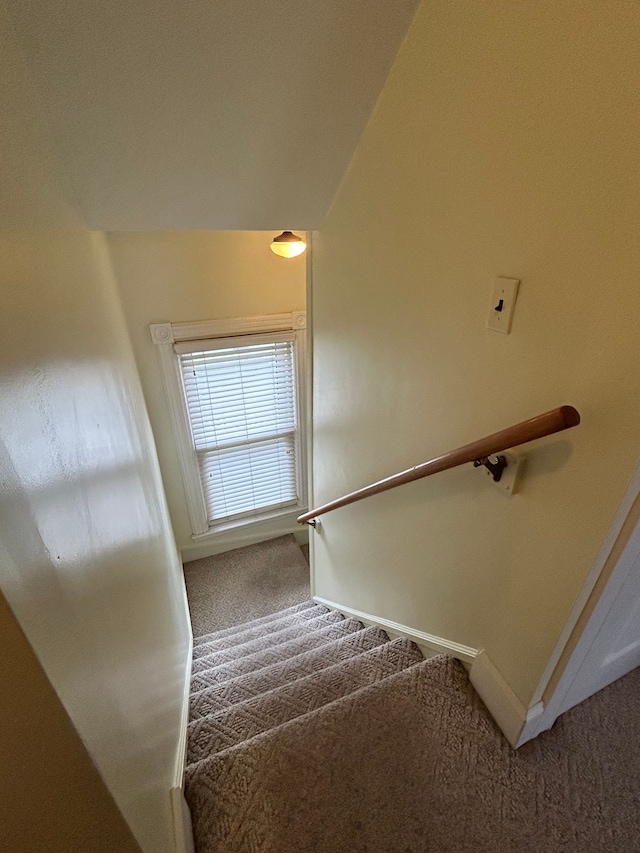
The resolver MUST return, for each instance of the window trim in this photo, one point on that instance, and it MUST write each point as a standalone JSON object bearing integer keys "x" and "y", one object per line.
{"x": 164, "y": 336}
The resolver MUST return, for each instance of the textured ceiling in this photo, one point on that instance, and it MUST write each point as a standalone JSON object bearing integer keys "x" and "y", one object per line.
{"x": 241, "y": 114}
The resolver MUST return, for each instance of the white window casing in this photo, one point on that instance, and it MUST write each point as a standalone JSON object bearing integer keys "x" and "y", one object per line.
{"x": 237, "y": 401}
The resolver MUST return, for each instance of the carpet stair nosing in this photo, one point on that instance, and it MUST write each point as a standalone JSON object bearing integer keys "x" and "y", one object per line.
{"x": 227, "y": 693}
{"x": 265, "y": 657}
{"x": 335, "y": 707}
{"x": 271, "y": 627}
{"x": 243, "y": 721}
{"x": 255, "y": 644}
{"x": 260, "y": 620}
{"x": 402, "y": 645}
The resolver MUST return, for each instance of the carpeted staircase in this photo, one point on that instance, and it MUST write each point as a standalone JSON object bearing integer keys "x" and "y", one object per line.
{"x": 312, "y": 734}
{"x": 248, "y": 683}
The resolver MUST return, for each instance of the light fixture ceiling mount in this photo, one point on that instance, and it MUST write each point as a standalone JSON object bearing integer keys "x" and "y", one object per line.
{"x": 288, "y": 245}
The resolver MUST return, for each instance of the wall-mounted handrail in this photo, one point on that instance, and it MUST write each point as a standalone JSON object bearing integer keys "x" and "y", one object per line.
{"x": 546, "y": 424}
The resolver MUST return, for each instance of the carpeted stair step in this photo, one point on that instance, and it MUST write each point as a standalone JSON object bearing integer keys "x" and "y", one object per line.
{"x": 261, "y": 620}
{"x": 221, "y": 730}
{"x": 294, "y": 626}
{"x": 339, "y": 753}
{"x": 339, "y": 778}
{"x": 311, "y": 639}
{"x": 223, "y": 695}
{"x": 268, "y": 624}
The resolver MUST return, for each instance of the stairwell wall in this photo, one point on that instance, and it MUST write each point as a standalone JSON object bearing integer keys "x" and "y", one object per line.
{"x": 88, "y": 563}
{"x": 181, "y": 276}
{"x": 503, "y": 144}
{"x": 48, "y": 778}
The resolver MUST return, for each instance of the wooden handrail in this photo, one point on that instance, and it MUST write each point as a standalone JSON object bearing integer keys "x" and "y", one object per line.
{"x": 546, "y": 424}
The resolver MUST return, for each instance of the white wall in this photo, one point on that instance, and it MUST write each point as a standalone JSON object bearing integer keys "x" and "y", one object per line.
{"x": 504, "y": 143}
{"x": 208, "y": 114}
{"x": 88, "y": 562}
{"x": 176, "y": 276}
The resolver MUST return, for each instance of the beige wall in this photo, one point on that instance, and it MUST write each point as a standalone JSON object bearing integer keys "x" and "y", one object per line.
{"x": 88, "y": 564}
{"x": 52, "y": 795}
{"x": 505, "y": 143}
{"x": 175, "y": 276}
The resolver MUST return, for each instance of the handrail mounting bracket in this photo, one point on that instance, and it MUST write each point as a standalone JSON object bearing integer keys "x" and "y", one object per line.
{"x": 495, "y": 468}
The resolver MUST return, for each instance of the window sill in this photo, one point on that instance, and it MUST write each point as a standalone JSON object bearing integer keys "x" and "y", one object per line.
{"x": 246, "y": 531}
{"x": 249, "y": 522}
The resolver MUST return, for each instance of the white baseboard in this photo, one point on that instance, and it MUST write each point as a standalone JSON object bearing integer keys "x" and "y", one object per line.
{"x": 208, "y": 546}
{"x": 181, "y": 816}
{"x": 181, "y": 753}
{"x": 532, "y": 727}
{"x": 422, "y": 639}
{"x": 182, "y": 826}
{"x": 518, "y": 723}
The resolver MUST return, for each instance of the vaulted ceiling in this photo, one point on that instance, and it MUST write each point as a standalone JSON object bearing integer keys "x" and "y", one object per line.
{"x": 226, "y": 114}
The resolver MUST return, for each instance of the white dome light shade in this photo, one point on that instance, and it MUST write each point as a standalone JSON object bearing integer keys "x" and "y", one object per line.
{"x": 288, "y": 245}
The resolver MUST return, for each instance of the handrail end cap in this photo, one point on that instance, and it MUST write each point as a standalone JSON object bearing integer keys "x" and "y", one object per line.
{"x": 570, "y": 416}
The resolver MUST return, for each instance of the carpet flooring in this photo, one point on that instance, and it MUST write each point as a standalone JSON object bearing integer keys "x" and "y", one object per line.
{"x": 310, "y": 733}
{"x": 231, "y": 588}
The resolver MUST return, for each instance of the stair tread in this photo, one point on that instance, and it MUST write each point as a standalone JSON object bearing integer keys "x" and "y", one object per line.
{"x": 282, "y": 783}
{"x": 274, "y": 654}
{"x": 262, "y": 630}
{"x": 295, "y": 629}
{"x": 247, "y": 719}
{"x": 226, "y": 693}
{"x": 260, "y": 620}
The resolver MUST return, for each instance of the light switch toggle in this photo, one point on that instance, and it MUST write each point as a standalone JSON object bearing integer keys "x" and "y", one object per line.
{"x": 503, "y": 300}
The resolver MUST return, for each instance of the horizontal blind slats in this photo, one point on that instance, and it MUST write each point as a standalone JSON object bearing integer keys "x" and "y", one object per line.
{"x": 248, "y": 478}
{"x": 231, "y": 392}
{"x": 242, "y": 410}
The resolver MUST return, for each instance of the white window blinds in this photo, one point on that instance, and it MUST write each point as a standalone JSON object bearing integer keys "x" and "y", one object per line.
{"x": 241, "y": 402}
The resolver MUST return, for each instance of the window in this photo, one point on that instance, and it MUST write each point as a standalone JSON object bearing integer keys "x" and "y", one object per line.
{"x": 237, "y": 405}
{"x": 241, "y": 401}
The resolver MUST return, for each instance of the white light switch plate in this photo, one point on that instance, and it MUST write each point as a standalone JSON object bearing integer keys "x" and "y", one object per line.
{"x": 503, "y": 300}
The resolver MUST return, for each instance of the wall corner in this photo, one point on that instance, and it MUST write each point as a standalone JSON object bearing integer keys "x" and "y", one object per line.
{"x": 518, "y": 723}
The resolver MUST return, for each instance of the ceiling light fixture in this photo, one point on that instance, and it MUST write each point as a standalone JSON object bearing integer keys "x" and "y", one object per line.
{"x": 288, "y": 245}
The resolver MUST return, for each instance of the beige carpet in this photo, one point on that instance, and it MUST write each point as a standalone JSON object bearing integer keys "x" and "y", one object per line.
{"x": 355, "y": 744}
{"x": 237, "y": 586}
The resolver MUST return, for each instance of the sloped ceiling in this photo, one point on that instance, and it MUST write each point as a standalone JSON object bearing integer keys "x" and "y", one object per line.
{"x": 227, "y": 114}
